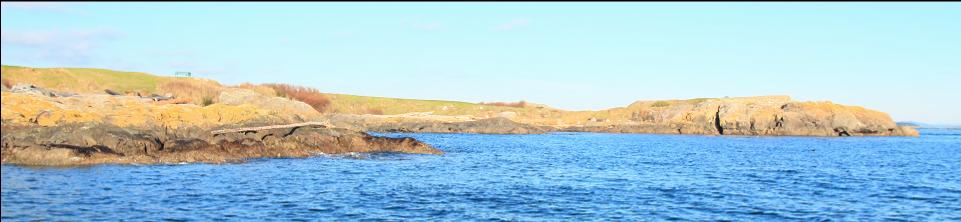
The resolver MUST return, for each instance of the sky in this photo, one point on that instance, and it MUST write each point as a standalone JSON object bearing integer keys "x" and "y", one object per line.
{"x": 899, "y": 58}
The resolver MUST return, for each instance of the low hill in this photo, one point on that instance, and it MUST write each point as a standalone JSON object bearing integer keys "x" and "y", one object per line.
{"x": 761, "y": 115}
{"x": 90, "y": 80}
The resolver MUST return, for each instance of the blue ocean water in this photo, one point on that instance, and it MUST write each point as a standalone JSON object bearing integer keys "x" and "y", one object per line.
{"x": 555, "y": 177}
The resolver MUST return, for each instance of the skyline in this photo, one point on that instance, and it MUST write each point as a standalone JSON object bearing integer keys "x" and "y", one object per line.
{"x": 897, "y": 58}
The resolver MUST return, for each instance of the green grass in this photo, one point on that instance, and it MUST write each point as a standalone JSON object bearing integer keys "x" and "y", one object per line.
{"x": 390, "y": 106}
{"x": 82, "y": 79}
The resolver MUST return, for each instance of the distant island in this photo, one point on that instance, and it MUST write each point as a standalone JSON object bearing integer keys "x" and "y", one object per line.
{"x": 78, "y": 116}
{"x": 920, "y": 125}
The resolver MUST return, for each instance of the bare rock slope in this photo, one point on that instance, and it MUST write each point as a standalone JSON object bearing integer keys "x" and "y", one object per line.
{"x": 766, "y": 115}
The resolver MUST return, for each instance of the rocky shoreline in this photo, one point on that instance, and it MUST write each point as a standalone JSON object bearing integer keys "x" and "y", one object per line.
{"x": 96, "y": 143}
{"x": 53, "y": 128}
{"x": 40, "y": 128}
{"x": 755, "y": 116}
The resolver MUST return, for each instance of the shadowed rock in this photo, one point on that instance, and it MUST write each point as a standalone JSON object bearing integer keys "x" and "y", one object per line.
{"x": 93, "y": 143}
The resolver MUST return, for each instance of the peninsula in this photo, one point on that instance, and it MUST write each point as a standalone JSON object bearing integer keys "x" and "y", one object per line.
{"x": 80, "y": 116}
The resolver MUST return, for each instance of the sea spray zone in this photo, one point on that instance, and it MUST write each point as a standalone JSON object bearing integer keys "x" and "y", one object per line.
{"x": 74, "y": 116}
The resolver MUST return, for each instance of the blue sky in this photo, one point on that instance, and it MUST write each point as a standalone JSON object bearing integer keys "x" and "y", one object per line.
{"x": 900, "y": 58}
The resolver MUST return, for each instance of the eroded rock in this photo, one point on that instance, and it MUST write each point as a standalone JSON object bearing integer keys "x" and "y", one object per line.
{"x": 93, "y": 143}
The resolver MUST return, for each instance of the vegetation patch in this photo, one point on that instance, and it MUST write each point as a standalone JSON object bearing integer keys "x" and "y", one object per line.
{"x": 311, "y": 96}
{"x": 83, "y": 79}
{"x": 198, "y": 91}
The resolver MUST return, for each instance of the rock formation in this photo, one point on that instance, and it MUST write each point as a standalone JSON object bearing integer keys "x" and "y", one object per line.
{"x": 766, "y": 115}
{"x": 275, "y": 104}
{"x": 762, "y": 116}
{"x": 92, "y": 143}
{"x": 38, "y": 129}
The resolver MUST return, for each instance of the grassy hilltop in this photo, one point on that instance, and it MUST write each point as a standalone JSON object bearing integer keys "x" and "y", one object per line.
{"x": 89, "y": 80}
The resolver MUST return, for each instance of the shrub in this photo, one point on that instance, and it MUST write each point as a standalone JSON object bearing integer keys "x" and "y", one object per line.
{"x": 208, "y": 100}
{"x": 311, "y": 96}
{"x": 199, "y": 91}
{"x": 519, "y": 104}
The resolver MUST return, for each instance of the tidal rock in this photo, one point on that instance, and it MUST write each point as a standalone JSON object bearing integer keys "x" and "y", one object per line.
{"x": 94, "y": 143}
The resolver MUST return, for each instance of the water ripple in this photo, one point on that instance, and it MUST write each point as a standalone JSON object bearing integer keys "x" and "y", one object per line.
{"x": 552, "y": 177}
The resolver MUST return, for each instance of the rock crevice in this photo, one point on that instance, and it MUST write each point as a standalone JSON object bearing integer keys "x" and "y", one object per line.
{"x": 717, "y": 121}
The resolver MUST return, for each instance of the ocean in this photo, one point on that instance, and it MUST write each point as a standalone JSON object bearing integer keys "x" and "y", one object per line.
{"x": 549, "y": 177}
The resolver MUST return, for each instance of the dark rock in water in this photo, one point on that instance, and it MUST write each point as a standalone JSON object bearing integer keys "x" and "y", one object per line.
{"x": 93, "y": 143}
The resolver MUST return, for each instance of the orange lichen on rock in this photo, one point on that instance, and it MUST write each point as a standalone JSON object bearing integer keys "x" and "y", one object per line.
{"x": 26, "y": 109}
{"x": 119, "y": 110}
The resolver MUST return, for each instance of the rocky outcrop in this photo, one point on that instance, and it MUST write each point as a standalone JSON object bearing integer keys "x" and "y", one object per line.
{"x": 28, "y": 88}
{"x": 94, "y": 143}
{"x": 123, "y": 111}
{"x": 771, "y": 115}
{"x": 40, "y": 129}
{"x": 763, "y": 116}
{"x": 236, "y": 96}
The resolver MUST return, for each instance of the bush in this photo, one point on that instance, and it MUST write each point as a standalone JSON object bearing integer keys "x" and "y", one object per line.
{"x": 207, "y": 100}
{"x": 200, "y": 92}
{"x": 311, "y": 96}
{"x": 6, "y": 83}
{"x": 519, "y": 104}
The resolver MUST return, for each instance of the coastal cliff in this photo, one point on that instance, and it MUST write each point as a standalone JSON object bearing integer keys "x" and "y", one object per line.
{"x": 763, "y": 115}
{"x": 87, "y": 116}
{"x": 758, "y": 116}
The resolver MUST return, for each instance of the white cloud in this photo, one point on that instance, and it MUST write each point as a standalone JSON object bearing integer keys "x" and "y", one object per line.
{"x": 72, "y": 46}
{"x": 514, "y": 24}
